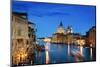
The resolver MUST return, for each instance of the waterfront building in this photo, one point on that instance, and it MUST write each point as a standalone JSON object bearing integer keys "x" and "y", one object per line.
{"x": 32, "y": 41}
{"x": 76, "y": 36}
{"x": 69, "y": 38}
{"x": 58, "y": 37}
{"x": 60, "y": 28}
{"x": 48, "y": 39}
{"x": 21, "y": 41}
{"x": 19, "y": 37}
{"x": 69, "y": 30}
{"x": 69, "y": 35}
{"x": 91, "y": 37}
{"x": 62, "y": 35}
{"x": 81, "y": 42}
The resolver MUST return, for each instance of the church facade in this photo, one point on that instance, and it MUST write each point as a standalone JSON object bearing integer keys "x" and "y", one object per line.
{"x": 67, "y": 36}
{"x": 62, "y": 35}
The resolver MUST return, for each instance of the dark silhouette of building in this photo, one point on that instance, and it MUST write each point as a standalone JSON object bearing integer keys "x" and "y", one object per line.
{"x": 91, "y": 37}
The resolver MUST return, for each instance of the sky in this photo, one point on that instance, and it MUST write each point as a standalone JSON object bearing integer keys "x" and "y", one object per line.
{"x": 47, "y": 16}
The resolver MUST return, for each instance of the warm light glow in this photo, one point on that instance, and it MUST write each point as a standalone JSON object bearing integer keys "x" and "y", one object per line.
{"x": 60, "y": 30}
{"x": 47, "y": 40}
{"x": 47, "y": 53}
{"x": 81, "y": 42}
{"x": 91, "y": 53}
{"x": 20, "y": 56}
{"x": 69, "y": 50}
{"x": 23, "y": 56}
{"x": 81, "y": 50}
{"x": 47, "y": 57}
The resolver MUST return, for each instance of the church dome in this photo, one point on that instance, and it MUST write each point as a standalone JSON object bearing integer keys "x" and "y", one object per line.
{"x": 60, "y": 28}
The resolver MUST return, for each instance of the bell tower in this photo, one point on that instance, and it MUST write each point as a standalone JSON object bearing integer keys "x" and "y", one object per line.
{"x": 69, "y": 30}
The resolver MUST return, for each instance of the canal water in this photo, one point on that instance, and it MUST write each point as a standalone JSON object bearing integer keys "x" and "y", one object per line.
{"x": 62, "y": 53}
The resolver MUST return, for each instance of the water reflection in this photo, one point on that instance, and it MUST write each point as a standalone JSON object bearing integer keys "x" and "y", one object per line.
{"x": 81, "y": 50}
{"x": 47, "y": 52}
{"x": 68, "y": 50}
{"x": 91, "y": 53}
{"x": 61, "y": 53}
{"x": 79, "y": 55}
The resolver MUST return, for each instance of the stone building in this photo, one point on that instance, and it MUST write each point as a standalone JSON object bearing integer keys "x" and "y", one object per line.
{"x": 32, "y": 41}
{"x": 91, "y": 37}
{"x": 58, "y": 37}
{"x": 69, "y": 35}
{"x": 60, "y": 28}
{"x": 21, "y": 42}
{"x": 62, "y": 35}
{"x": 69, "y": 30}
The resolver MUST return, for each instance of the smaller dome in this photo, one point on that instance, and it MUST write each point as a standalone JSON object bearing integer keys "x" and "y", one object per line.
{"x": 69, "y": 29}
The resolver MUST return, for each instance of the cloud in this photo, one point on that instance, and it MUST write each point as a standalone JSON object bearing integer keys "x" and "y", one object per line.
{"x": 49, "y": 14}
{"x": 40, "y": 10}
{"x": 57, "y": 14}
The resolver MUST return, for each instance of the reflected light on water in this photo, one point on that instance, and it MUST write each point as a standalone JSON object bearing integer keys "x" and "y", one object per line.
{"x": 46, "y": 53}
{"x": 68, "y": 50}
{"x": 91, "y": 53}
{"x": 47, "y": 57}
{"x": 81, "y": 50}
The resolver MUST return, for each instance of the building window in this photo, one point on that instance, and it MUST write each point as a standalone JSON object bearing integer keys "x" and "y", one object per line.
{"x": 27, "y": 42}
{"x": 19, "y": 41}
{"x": 19, "y": 32}
{"x": 29, "y": 35}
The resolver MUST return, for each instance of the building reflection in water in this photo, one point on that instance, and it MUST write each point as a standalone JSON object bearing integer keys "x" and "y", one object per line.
{"x": 91, "y": 52}
{"x": 81, "y": 50}
{"x": 68, "y": 50}
{"x": 47, "y": 53}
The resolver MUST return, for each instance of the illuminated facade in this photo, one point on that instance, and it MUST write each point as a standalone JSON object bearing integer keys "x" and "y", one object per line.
{"x": 69, "y": 35}
{"x": 69, "y": 30}
{"x": 60, "y": 28}
{"x": 19, "y": 38}
{"x": 21, "y": 42}
{"x": 58, "y": 37}
{"x": 62, "y": 35}
{"x": 47, "y": 39}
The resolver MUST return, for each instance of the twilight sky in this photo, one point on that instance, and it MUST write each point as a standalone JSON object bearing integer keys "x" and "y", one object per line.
{"x": 47, "y": 16}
